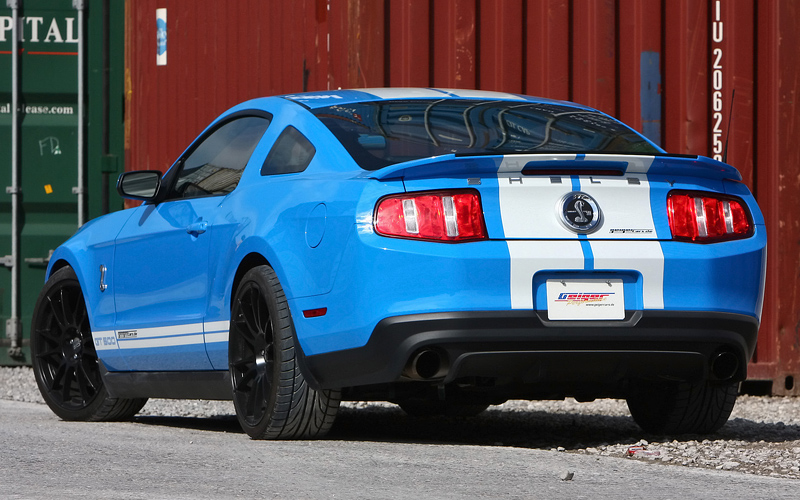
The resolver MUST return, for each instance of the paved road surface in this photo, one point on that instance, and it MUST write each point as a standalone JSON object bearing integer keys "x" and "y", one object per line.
{"x": 164, "y": 457}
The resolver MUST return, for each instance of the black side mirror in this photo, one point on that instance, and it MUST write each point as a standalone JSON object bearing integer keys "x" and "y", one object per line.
{"x": 139, "y": 184}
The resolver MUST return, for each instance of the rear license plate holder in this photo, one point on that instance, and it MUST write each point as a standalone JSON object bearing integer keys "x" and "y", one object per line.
{"x": 585, "y": 299}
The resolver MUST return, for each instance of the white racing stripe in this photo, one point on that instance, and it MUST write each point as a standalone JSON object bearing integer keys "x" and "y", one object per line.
{"x": 216, "y": 331}
{"x": 635, "y": 164}
{"x": 530, "y": 257}
{"x": 401, "y": 93}
{"x": 410, "y": 93}
{"x": 163, "y": 336}
{"x": 645, "y": 257}
{"x": 105, "y": 340}
{"x": 160, "y": 342}
{"x": 162, "y": 331}
{"x": 626, "y": 207}
{"x": 516, "y": 163}
{"x": 537, "y": 241}
{"x": 530, "y": 205}
{"x": 482, "y": 94}
{"x": 216, "y": 337}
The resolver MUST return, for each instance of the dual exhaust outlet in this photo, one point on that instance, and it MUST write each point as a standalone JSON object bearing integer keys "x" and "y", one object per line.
{"x": 431, "y": 363}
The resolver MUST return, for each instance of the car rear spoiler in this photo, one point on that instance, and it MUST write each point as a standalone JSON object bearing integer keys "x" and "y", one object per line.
{"x": 559, "y": 164}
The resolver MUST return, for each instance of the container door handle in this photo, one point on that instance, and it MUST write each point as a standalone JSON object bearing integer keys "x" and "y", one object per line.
{"x": 197, "y": 227}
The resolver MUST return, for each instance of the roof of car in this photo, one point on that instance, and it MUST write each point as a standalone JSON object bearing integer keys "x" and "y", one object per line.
{"x": 325, "y": 98}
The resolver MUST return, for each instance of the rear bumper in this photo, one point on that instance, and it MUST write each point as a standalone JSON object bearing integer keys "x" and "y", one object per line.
{"x": 525, "y": 347}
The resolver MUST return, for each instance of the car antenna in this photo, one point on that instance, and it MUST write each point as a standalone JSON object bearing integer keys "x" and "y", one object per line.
{"x": 728, "y": 132}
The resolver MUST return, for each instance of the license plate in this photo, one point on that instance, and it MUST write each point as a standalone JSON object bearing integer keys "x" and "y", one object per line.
{"x": 581, "y": 299}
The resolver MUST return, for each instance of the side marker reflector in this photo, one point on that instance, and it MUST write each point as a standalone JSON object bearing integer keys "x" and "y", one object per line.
{"x": 315, "y": 313}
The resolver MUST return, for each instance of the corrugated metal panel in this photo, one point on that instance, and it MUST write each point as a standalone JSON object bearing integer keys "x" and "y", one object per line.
{"x": 48, "y": 155}
{"x": 500, "y": 35}
{"x": 686, "y": 76}
{"x": 547, "y": 48}
{"x": 220, "y": 54}
{"x": 594, "y": 55}
{"x": 454, "y": 44}
{"x": 410, "y": 40}
{"x": 734, "y": 56}
{"x": 667, "y": 67}
{"x": 639, "y": 66}
{"x": 356, "y": 43}
{"x": 777, "y": 180}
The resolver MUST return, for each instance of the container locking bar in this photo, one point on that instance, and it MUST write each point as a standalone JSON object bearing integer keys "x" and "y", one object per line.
{"x": 13, "y": 329}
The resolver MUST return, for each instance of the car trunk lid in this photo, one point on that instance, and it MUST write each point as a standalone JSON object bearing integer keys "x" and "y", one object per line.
{"x": 565, "y": 196}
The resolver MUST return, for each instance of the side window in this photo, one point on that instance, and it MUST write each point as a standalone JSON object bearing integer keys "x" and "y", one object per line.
{"x": 291, "y": 153}
{"x": 215, "y": 166}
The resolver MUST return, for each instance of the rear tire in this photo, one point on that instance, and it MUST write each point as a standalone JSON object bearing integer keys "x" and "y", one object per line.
{"x": 64, "y": 357}
{"x": 682, "y": 408}
{"x": 270, "y": 394}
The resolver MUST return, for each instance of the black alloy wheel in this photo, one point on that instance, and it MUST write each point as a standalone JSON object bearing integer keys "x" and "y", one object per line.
{"x": 65, "y": 361}
{"x": 270, "y": 394}
{"x": 252, "y": 355}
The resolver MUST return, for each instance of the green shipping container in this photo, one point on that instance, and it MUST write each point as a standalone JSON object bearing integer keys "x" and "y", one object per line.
{"x": 66, "y": 73}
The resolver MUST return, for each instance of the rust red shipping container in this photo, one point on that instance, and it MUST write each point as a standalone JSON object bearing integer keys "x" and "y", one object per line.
{"x": 666, "y": 67}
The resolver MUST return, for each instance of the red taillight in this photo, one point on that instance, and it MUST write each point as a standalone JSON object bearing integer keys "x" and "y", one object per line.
{"x": 438, "y": 216}
{"x": 702, "y": 217}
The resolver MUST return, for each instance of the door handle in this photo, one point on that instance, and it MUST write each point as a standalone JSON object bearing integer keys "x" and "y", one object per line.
{"x": 197, "y": 227}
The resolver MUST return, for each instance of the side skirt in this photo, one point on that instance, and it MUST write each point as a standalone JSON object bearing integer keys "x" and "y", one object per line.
{"x": 215, "y": 385}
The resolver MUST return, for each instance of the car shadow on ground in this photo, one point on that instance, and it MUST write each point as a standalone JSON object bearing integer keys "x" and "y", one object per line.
{"x": 223, "y": 423}
{"x": 533, "y": 429}
{"x": 525, "y": 429}
{"x": 494, "y": 427}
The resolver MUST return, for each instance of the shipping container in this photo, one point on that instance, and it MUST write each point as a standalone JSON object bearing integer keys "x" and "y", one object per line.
{"x": 711, "y": 77}
{"x": 60, "y": 141}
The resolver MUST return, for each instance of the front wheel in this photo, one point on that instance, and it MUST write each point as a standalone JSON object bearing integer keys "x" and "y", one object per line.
{"x": 64, "y": 358}
{"x": 682, "y": 408}
{"x": 270, "y": 394}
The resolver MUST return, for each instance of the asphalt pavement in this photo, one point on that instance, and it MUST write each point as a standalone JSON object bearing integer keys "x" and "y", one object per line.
{"x": 195, "y": 458}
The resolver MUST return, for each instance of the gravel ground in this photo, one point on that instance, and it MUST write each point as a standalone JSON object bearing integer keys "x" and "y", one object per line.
{"x": 762, "y": 436}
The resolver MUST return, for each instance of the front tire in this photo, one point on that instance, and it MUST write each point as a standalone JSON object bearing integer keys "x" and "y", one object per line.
{"x": 270, "y": 394}
{"x": 682, "y": 408}
{"x": 65, "y": 361}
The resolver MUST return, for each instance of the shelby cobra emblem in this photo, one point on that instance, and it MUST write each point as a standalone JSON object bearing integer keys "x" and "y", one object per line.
{"x": 579, "y": 212}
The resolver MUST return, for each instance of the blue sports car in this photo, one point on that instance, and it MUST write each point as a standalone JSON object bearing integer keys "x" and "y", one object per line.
{"x": 445, "y": 250}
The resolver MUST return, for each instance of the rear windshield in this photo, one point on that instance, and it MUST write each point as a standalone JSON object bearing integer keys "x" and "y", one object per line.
{"x": 381, "y": 133}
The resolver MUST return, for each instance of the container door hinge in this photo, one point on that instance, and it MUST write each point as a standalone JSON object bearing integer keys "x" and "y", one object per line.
{"x": 78, "y": 190}
{"x": 7, "y": 260}
{"x": 13, "y": 190}
{"x": 14, "y": 332}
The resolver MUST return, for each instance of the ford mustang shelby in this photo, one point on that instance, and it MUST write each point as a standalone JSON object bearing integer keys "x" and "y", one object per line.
{"x": 445, "y": 250}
